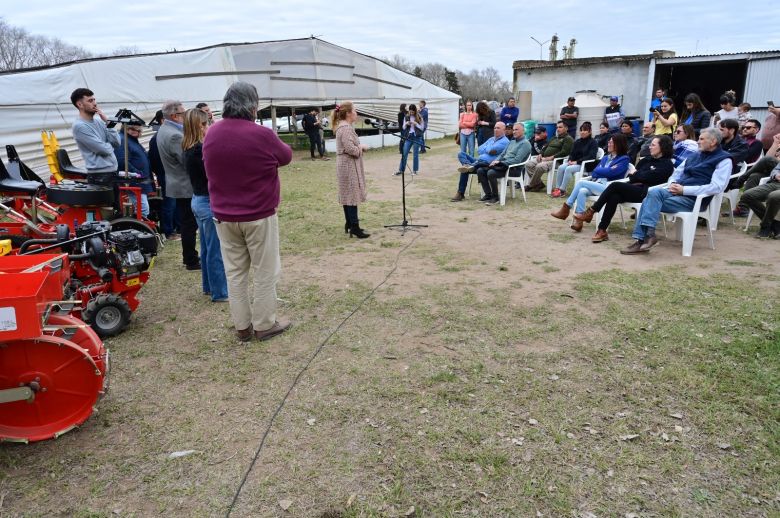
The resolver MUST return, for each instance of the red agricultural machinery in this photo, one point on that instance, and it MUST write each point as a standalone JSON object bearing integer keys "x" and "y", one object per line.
{"x": 110, "y": 258}
{"x": 54, "y": 367}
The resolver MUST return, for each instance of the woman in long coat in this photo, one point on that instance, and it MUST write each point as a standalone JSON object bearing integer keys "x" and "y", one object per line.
{"x": 349, "y": 167}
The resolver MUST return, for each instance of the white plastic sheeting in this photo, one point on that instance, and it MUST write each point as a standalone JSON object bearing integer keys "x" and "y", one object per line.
{"x": 289, "y": 73}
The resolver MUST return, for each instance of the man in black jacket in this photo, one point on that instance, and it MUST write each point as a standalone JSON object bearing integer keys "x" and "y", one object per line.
{"x": 732, "y": 143}
{"x": 311, "y": 125}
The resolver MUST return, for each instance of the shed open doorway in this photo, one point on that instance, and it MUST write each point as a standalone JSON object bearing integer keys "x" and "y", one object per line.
{"x": 709, "y": 80}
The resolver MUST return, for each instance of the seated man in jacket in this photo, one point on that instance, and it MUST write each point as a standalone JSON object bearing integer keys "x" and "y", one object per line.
{"x": 517, "y": 152}
{"x": 487, "y": 152}
{"x": 558, "y": 147}
{"x": 706, "y": 172}
{"x": 640, "y": 147}
{"x": 733, "y": 143}
{"x": 764, "y": 200}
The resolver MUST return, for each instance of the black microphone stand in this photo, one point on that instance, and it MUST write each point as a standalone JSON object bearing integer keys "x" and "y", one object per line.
{"x": 404, "y": 225}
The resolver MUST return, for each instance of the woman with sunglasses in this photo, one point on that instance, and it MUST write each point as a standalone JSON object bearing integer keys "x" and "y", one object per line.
{"x": 684, "y": 143}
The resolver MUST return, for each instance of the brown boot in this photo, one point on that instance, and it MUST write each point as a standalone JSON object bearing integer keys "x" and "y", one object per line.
{"x": 577, "y": 225}
{"x": 599, "y": 236}
{"x": 562, "y": 213}
{"x": 586, "y": 216}
{"x": 458, "y": 197}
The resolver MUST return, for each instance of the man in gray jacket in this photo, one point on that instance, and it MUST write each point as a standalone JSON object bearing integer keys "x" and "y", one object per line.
{"x": 517, "y": 152}
{"x": 177, "y": 182}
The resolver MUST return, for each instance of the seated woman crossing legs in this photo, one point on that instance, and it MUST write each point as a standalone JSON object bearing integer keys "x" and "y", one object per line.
{"x": 612, "y": 167}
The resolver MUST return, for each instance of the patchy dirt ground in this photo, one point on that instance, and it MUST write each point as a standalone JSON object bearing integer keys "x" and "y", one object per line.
{"x": 503, "y": 369}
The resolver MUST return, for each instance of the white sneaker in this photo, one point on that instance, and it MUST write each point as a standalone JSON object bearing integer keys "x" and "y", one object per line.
{"x": 397, "y": 173}
{"x": 415, "y": 173}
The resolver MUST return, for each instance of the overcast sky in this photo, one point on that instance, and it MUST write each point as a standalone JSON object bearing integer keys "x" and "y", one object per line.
{"x": 476, "y": 35}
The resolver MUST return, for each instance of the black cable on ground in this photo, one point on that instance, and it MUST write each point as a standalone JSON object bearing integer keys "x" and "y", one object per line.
{"x": 305, "y": 368}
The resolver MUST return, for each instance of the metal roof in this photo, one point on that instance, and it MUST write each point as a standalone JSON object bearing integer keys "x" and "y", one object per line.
{"x": 662, "y": 56}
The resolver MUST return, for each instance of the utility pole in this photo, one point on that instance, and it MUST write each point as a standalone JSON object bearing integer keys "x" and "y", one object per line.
{"x": 541, "y": 44}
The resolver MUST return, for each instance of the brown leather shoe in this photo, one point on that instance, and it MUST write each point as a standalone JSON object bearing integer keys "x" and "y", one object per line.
{"x": 586, "y": 216}
{"x": 599, "y": 236}
{"x": 279, "y": 327}
{"x": 458, "y": 197}
{"x": 634, "y": 248}
{"x": 577, "y": 225}
{"x": 244, "y": 335}
{"x": 562, "y": 213}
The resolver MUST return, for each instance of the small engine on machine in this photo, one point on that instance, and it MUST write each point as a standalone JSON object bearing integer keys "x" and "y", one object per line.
{"x": 110, "y": 266}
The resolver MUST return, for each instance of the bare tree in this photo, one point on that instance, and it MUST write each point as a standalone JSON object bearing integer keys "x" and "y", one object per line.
{"x": 400, "y": 62}
{"x": 20, "y": 49}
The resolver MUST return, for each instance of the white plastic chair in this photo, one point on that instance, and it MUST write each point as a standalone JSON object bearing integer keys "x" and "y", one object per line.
{"x": 763, "y": 181}
{"x": 732, "y": 195}
{"x": 686, "y": 222}
{"x": 551, "y": 174}
{"x": 507, "y": 179}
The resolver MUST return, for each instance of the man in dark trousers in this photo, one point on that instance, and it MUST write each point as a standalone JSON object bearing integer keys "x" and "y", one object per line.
{"x": 177, "y": 181}
{"x": 311, "y": 125}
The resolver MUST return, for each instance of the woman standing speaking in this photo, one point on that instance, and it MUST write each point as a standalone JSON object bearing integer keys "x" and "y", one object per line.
{"x": 349, "y": 167}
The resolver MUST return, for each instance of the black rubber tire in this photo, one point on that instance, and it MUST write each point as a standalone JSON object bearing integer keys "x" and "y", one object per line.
{"x": 80, "y": 195}
{"x": 108, "y": 314}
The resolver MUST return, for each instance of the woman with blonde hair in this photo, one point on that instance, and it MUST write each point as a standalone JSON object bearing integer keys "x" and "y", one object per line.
{"x": 349, "y": 167}
{"x": 212, "y": 269}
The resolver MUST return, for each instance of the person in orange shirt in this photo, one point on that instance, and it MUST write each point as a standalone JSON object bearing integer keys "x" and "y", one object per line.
{"x": 466, "y": 125}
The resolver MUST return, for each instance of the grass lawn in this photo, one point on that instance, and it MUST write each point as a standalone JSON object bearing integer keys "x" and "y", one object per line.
{"x": 490, "y": 375}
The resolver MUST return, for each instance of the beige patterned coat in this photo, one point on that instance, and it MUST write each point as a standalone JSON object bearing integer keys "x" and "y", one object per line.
{"x": 349, "y": 166}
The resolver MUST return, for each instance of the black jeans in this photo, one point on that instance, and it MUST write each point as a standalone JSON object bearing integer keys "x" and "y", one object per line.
{"x": 351, "y": 215}
{"x": 315, "y": 142}
{"x": 614, "y": 194}
{"x": 189, "y": 229}
{"x": 488, "y": 178}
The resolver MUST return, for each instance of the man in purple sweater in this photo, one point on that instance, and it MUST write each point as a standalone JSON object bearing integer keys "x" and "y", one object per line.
{"x": 242, "y": 161}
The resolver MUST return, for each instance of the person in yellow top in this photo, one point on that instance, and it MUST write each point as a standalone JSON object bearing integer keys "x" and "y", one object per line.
{"x": 665, "y": 118}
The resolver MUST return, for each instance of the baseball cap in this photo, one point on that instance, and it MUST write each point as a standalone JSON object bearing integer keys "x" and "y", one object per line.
{"x": 540, "y": 129}
{"x": 571, "y": 99}
{"x": 614, "y": 98}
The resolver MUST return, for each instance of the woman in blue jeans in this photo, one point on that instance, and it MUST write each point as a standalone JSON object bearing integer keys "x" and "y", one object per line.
{"x": 467, "y": 124}
{"x": 413, "y": 126}
{"x": 613, "y": 166}
{"x": 212, "y": 269}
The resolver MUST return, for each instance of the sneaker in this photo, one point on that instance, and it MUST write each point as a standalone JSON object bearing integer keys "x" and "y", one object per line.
{"x": 279, "y": 327}
{"x": 415, "y": 173}
{"x": 633, "y": 249}
{"x": 397, "y": 173}
{"x": 649, "y": 243}
{"x": 486, "y": 197}
{"x": 465, "y": 169}
{"x": 556, "y": 193}
{"x": 765, "y": 233}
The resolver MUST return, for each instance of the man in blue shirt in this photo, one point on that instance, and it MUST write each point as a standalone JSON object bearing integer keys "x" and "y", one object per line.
{"x": 424, "y": 115}
{"x": 509, "y": 113}
{"x": 655, "y": 104}
{"x": 488, "y": 152}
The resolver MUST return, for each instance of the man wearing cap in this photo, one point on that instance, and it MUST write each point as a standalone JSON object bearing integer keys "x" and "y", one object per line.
{"x": 569, "y": 114}
{"x": 613, "y": 114}
{"x": 539, "y": 140}
{"x": 510, "y": 113}
{"x": 558, "y": 147}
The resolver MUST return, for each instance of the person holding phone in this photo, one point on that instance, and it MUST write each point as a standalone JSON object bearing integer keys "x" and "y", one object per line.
{"x": 665, "y": 118}
{"x": 414, "y": 126}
